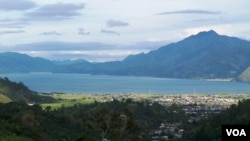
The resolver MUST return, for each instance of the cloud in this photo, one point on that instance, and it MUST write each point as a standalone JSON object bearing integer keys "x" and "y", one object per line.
{"x": 191, "y": 11}
{"x": 91, "y": 51}
{"x": 66, "y": 46}
{"x": 110, "y": 32}
{"x": 20, "y": 5}
{"x": 12, "y": 32}
{"x": 58, "y": 11}
{"x": 12, "y": 23}
{"x": 116, "y": 23}
{"x": 81, "y": 31}
{"x": 204, "y": 20}
{"x": 51, "y": 33}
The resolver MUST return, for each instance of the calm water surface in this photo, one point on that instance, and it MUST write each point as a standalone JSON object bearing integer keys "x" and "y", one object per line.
{"x": 105, "y": 84}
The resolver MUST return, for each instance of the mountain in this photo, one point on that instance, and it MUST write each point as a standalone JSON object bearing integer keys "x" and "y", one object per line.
{"x": 12, "y": 62}
{"x": 201, "y": 56}
{"x": 244, "y": 76}
{"x": 72, "y": 66}
{"x": 13, "y": 91}
{"x": 205, "y": 55}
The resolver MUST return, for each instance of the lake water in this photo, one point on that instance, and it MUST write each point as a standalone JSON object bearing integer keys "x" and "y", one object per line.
{"x": 105, "y": 84}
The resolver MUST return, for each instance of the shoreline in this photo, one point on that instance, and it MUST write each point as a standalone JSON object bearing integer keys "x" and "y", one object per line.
{"x": 221, "y": 99}
{"x": 219, "y": 79}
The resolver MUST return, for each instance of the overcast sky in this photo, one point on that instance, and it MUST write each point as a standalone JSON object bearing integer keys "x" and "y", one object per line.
{"x": 105, "y": 30}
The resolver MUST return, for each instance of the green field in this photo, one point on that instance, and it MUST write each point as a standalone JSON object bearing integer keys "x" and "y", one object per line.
{"x": 4, "y": 99}
{"x": 68, "y": 100}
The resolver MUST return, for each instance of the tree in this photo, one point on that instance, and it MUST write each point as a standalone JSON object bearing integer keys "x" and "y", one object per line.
{"x": 112, "y": 124}
{"x": 99, "y": 122}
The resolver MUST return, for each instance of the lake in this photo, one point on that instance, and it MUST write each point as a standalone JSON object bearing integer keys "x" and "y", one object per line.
{"x": 105, "y": 84}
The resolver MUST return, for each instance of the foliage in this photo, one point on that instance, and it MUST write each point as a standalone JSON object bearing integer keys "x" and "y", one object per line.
{"x": 19, "y": 92}
{"x": 4, "y": 99}
{"x": 210, "y": 129}
{"x": 116, "y": 120}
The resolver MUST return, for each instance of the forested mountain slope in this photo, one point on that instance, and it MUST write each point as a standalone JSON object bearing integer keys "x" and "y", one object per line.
{"x": 201, "y": 56}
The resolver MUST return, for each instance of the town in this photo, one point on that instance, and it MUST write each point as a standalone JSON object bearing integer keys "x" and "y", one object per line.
{"x": 196, "y": 107}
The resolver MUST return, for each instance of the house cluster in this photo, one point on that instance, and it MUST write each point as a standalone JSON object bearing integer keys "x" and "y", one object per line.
{"x": 195, "y": 106}
{"x": 209, "y": 100}
{"x": 166, "y": 131}
{"x": 184, "y": 99}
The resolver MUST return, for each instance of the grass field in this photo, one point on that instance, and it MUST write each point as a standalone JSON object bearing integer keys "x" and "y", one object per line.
{"x": 4, "y": 99}
{"x": 68, "y": 100}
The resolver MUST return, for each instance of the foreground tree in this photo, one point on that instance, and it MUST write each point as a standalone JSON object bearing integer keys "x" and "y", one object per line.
{"x": 112, "y": 125}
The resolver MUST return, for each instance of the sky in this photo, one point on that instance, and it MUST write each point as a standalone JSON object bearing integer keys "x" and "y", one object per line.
{"x": 109, "y": 30}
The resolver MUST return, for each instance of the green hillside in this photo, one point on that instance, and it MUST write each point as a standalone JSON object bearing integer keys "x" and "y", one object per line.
{"x": 13, "y": 91}
{"x": 210, "y": 129}
{"x": 4, "y": 99}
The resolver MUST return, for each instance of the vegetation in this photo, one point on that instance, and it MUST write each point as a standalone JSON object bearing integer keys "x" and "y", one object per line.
{"x": 210, "y": 129}
{"x": 116, "y": 120}
{"x": 69, "y": 100}
{"x": 86, "y": 118}
{"x": 205, "y": 55}
{"x": 13, "y": 91}
{"x": 4, "y": 99}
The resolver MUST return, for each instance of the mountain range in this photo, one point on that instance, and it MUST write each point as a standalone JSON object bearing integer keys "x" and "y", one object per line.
{"x": 206, "y": 55}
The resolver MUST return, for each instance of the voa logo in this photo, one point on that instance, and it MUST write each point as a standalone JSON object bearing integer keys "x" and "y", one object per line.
{"x": 236, "y": 132}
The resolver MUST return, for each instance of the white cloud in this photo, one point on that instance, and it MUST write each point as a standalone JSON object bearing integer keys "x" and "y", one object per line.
{"x": 11, "y": 32}
{"x": 110, "y": 32}
{"x": 51, "y": 33}
{"x": 54, "y": 12}
{"x": 118, "y": 22}
{"x": 10, "y": 5}
{"x": 191, "y": 11}
{"x": 82, "y": 31}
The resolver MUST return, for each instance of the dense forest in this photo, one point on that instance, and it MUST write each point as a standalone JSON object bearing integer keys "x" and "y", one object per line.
{"x": 117, "y": 120}
{"x": 17, "y": 91}
{"x": 210, "y": 129}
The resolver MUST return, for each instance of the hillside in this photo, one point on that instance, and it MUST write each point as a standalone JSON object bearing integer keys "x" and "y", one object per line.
{"x": 12, "y": 62}
{"x": 4, "y": 99}
{"x": 205, "y": 55}
{"x": 210, "y": 129}
{"x": 201, "y": 56}
{"x": 244, "y": 76}
{"x": 126, "y": 119}
{"x": 12, "y": 91}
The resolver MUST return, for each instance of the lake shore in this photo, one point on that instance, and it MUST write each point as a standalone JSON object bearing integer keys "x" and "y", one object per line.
{"x": 220, "y": 79}
{"x": 65, "y": 99}
{"x": 102, "y": 84}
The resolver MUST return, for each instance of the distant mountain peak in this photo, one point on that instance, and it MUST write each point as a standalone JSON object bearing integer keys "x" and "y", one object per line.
{"x": 208, "y": 33}
{"x": 205, "y": 36}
